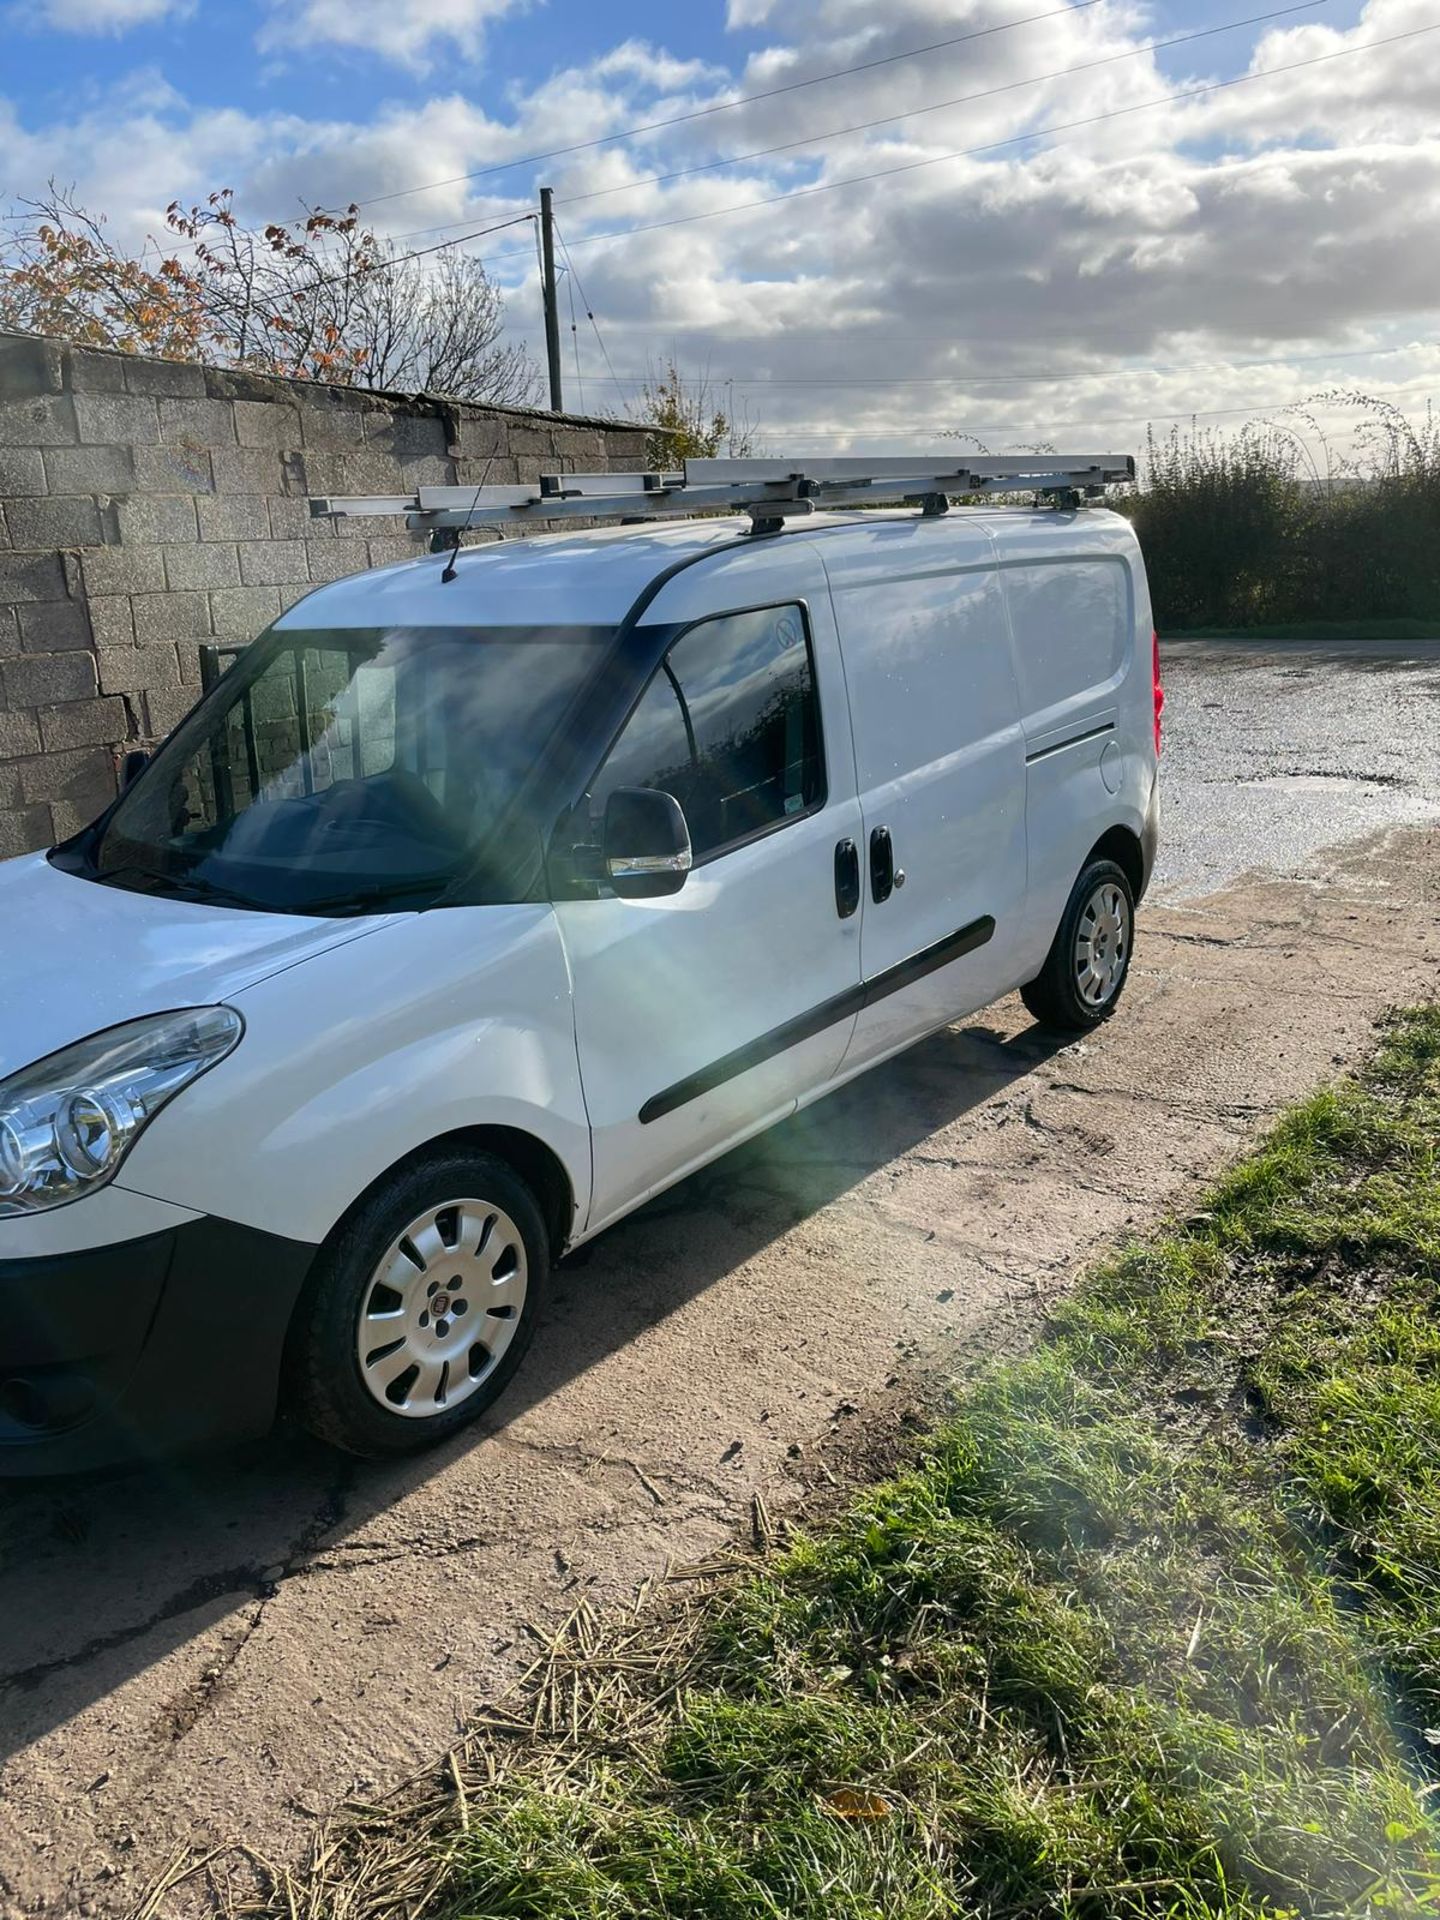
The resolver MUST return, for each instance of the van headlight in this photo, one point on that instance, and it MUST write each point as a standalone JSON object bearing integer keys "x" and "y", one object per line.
{"x": 67, "y": 1122}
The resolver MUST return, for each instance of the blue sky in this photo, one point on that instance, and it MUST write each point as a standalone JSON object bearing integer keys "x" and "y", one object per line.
{"x": 210, "y": 56}
{"x": 1279, "y": 222}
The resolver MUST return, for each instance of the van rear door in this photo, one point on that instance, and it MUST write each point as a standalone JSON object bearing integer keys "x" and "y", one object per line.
{"x": 940, "y": 769}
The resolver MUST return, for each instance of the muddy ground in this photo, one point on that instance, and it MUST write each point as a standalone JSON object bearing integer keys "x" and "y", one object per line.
{"x": 229, "y": 1647}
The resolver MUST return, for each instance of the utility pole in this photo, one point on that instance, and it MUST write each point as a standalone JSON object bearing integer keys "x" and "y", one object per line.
{"x": 552, "y": 305}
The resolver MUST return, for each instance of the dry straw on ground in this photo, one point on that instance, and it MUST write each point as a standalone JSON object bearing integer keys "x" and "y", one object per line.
{"x": 598, "y": 1685}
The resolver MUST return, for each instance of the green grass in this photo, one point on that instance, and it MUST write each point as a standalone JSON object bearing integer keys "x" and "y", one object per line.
{"x": 1150, "y": 1627}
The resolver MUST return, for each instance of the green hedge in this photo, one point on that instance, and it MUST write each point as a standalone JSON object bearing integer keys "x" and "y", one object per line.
{"x": 1240, "y": 532}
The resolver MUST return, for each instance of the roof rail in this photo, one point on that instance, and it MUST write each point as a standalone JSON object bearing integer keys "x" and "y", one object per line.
{"x": 770, "y": 491}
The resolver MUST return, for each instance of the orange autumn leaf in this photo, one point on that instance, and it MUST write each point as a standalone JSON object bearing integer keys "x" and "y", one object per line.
{"x": 857, "y": 1803}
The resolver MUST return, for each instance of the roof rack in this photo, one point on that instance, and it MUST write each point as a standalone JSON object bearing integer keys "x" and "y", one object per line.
{"x": 770, "y": 491}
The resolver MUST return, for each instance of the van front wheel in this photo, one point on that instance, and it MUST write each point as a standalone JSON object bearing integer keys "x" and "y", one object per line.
{"x": 1089, "y": 960}
{"x": 422, "y": 1305}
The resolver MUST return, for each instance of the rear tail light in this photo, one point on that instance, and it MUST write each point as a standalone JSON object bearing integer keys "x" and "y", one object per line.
{"x": 1159, "y": 690}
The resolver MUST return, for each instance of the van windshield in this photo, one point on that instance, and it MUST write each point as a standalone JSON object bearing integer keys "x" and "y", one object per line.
{"x": 347, "y": 771}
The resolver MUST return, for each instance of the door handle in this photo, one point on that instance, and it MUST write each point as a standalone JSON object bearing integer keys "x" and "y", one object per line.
{"x": 847, "y": 878}
{"x": 882, "y": 865}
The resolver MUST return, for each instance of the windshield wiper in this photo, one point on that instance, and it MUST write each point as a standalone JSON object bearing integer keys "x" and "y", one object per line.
{"x": 378, "y": 899}
{"x": 180, "y": 886}
{"x": 194, "y": 886}
{"x": 391, "y": 896}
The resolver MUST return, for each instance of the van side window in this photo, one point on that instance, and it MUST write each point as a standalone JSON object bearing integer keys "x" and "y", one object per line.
{"x": 654, "y": 749}
{"x": 730, "y": 725}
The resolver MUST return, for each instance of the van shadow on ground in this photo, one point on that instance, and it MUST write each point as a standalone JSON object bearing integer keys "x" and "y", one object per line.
{"x": 101, "y": 1578}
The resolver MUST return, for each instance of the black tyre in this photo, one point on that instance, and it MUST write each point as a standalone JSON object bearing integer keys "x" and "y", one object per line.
{"x": 1089, "y": 959}
{"x": 422, "y": 1305}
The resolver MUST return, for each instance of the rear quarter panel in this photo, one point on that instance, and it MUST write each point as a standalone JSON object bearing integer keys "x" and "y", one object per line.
{"x": 1080, "y": 621}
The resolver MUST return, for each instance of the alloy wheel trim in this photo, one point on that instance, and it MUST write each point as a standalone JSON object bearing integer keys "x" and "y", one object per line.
{"x": 1103, "y": 939}
{"x": 441, "y": 1307}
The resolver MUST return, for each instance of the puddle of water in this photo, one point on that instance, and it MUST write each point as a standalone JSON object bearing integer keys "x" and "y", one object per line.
{"x": 1319, "y": 782}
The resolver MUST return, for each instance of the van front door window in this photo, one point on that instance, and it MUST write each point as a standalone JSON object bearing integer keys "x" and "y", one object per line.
{"x": 730, "y": 725}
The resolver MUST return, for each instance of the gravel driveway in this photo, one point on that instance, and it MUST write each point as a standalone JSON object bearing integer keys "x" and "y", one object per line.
{"x": 225, "y": 1648}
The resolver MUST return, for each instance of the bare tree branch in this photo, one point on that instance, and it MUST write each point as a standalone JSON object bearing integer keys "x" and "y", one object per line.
{"x": 321, "y": 298}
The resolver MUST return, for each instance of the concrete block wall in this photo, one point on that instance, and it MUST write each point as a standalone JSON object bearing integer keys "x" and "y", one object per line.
{"x": 148, "y": 507}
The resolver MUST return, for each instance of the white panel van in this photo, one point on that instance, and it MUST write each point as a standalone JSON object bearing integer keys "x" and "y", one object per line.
{"x": 478, "y": 903}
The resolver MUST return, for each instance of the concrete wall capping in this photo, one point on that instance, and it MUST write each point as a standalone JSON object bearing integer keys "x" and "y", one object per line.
{"x": 100, "y": 373}
{"x": 164, "y": 379}
{"x": 30, "y": 365}
{"x": 150, "y": 506}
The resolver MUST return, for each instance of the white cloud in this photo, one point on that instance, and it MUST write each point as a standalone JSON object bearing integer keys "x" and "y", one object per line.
{"x": 101, "y": 16}
{"x": 653, "y": 67}
{"x": 409, "y": 32}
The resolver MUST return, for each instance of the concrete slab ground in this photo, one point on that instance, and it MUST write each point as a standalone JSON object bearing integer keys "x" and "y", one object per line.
{"x": 226, "y": 1648}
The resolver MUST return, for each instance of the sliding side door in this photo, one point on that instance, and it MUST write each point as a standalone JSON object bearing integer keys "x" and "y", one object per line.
{"x": 940, "y": 767}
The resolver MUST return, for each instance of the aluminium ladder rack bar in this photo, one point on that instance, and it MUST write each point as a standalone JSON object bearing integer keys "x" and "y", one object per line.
{"x": 1019, "y": 469}
{"x": 768, "y": 490}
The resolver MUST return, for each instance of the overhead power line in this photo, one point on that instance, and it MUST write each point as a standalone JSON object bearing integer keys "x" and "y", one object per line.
{"x": 699, "y": 113}
{"x": 939, "y": 106}
{"x": 1054, "y": 379}
{"x": 931, "y": 160}
{"x": 911, "y": 113}
{"x": 728, "y": 106}
{"x": 589, "y": 313}
{"x": 385, "y": 266}
{"x": 914, "y": 166}
{"x": 994, "y": 146}
{"x": 867, "y": 430}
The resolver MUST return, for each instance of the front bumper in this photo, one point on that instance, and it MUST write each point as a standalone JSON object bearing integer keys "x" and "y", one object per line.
{"x": 141, "y": 1348}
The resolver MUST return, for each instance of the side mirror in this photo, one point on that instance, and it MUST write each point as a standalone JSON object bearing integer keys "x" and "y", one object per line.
{"x": 132, "y": 766}
{"x": 647, "y": 843}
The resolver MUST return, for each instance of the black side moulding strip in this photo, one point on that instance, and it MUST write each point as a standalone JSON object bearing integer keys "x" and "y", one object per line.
{"x": 1059, "y": 746}
{"x": 841, "y": 1006}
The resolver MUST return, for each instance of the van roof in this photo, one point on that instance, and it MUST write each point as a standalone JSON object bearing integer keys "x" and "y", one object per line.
{"x": 589, "y": 578}
{"x": 581, "y": 578}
